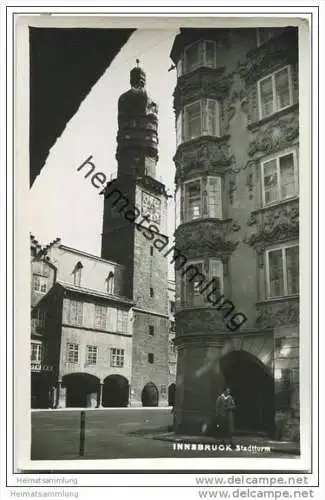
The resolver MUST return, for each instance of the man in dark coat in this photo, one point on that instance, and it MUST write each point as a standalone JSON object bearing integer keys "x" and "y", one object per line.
{"x": 225, "y": 407}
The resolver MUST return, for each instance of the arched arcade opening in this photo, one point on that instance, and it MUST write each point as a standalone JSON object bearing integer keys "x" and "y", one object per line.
{"x": 150, "y": 395}
{"x": 252, "y": 386}
{"x": 115, "y": 392}
{"x": 82, "y": 390}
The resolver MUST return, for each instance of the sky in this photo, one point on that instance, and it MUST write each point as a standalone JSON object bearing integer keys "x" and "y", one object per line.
{"x": 62, "y": 202}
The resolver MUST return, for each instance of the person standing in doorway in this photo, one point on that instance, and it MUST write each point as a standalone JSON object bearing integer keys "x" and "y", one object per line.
{"x": 225, "y": 407}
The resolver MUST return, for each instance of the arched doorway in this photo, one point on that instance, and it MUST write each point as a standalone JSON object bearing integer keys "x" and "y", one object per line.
{"x": 115, "y": 391}
{"x": 171, "y": 394}
{"x": 150, "y": 395}
{"x": 82, "y": 390}
{"x": 252, "y": 387}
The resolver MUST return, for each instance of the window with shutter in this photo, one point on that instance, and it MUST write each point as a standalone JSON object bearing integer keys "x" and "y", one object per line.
{"x": 76, "y": 312}
{"x": 100, "y": 317}
{"x": 122, "y": 321}
{"x": 111, "y": 319}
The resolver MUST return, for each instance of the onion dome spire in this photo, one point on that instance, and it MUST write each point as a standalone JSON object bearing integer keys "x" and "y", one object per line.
{"x": 137, "y": 76}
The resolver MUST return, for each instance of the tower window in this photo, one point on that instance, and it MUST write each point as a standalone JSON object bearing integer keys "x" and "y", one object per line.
{"x": 151, "y": 330}
{"x": 151, "y": 251}
{"x": 77, "y": 274}
{"x": 151, "y": 292}
{"x": 150, "y": 358}
{"x": 110, "y": 283}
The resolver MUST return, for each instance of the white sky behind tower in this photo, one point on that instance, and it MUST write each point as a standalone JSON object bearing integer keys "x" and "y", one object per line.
{"x": 62, "y": 202}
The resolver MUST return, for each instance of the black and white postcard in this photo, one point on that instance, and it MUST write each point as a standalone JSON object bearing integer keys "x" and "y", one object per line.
{"x": 162, "y": 252}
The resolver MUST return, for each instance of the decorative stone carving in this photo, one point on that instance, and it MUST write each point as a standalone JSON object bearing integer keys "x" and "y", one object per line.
{"x": 276, "y": 53}
{"x": 237, "y": 101}
{"x": 275, "y": 224}
{"x": 206, "y": 320}
{"x": 206, "y": 155}
{"x": 249, "y": 184}
{"x": 231, "y": 187}
{"x": 205, "y": 237}
{"x": 278, "y": 312}
{"x": 252, "y": 220}
{"x": 203, "y": 83}
{"x": 276, "y": 136}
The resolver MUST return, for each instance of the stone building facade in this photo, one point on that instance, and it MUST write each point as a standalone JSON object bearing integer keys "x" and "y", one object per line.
{"x": 237, "y": 124}
{"x": 86, "y": 328}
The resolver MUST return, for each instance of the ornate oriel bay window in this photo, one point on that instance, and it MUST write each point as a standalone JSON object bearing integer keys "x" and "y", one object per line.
{"x": 275, "y": 92}
{"x": 195, "y": 279}
{"x": 282, "y": 271}
{"x": 196, "y": 55}
{"x": 201, "y": 117}
{"x": 279, "y": 177}
{"x": 200, "y": 198}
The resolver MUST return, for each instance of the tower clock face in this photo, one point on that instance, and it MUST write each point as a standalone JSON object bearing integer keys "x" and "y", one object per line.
{"x": 151, "y": 207}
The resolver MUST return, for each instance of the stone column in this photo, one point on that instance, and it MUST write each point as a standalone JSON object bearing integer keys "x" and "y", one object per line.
{"x": 100, "y": 396}
{"x": 199, "y": 382}
{"x": 134, "y": 398}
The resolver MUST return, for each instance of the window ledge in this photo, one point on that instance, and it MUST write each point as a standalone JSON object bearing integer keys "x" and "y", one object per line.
{"x": 204, "y": 219}
{"x": 270, "y": 300}
{"x": 277, "y": 114}
{"x": 212, "y": 138}
{"x": 276, "y": 204}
